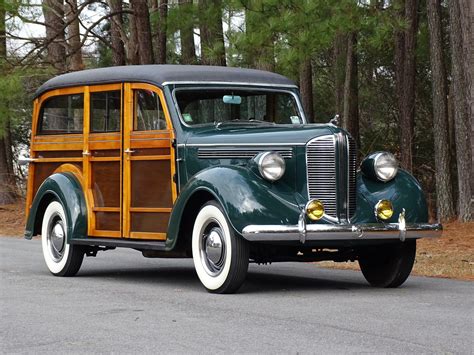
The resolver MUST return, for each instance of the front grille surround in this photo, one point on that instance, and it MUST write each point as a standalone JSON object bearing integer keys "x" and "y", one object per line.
{"x": 331, "y": 174}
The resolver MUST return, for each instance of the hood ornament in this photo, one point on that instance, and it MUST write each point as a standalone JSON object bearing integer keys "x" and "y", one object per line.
{"x": 335, "y": 120}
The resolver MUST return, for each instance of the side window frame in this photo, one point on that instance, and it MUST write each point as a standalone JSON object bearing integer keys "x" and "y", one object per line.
{"x": 164, "y": 107}
{"x": 36, "y": 126}
{"x": 101, "y": 89}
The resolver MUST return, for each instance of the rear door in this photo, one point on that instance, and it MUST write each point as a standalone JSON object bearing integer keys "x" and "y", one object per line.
{"x": 103, "y": 159}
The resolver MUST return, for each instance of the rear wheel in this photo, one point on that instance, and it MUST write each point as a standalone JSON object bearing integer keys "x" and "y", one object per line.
{"x": 220, "y": 257}
{"x": 388, "y": 265}
{"x": 62, "y": 258}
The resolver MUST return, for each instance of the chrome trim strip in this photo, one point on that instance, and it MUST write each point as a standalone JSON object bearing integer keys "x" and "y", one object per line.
{"x": 211, "y": 153}
{"x": 197, "y": 145}
{"x": 228, "y": 83}
{"x": 330, "y": 232}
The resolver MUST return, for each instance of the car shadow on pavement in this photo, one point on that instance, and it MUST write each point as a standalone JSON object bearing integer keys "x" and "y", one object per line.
{"x": 185, "y": 277}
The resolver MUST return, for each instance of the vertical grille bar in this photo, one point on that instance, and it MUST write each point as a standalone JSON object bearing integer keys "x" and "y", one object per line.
{"x": 352, "y": 175}
{"x": 321, "y": 172}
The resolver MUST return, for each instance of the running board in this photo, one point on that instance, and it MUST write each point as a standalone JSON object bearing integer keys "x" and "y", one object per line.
{"x": 121, "y": 243}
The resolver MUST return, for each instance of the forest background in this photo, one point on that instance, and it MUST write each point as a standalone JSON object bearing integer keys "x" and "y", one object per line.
{"x": 398, "y": 72}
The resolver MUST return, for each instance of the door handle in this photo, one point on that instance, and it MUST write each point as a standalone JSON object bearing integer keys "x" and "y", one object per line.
{"x": 128, "y": 151}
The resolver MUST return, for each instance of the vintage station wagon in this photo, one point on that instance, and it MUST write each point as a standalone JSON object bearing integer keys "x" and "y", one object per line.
{"x": 214, "y": 163}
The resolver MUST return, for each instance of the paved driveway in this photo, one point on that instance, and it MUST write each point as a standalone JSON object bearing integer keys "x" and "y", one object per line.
{"x": 121, "y": 302}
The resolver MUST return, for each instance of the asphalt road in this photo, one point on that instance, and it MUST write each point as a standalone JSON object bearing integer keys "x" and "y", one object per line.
{"x": 121, "y": 302}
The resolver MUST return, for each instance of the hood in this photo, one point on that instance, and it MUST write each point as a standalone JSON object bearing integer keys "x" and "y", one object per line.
{"x": 259, "y": 135}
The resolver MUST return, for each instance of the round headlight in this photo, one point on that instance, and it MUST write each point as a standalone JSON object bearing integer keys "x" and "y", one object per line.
{"x": 385, "y": 166}
{"x": 270, "y": 165}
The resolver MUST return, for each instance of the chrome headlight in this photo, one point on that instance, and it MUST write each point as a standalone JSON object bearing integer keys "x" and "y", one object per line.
{"x": 270, "y": 165}
{"x": 382, "y": 166}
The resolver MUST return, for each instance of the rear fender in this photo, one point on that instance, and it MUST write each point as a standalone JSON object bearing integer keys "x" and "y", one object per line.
{"x": 65, "y": 188}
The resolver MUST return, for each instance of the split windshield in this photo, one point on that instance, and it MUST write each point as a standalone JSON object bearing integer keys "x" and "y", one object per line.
{"x": 237, "y": 106}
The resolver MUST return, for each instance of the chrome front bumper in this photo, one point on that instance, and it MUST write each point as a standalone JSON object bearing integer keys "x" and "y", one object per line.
{"x": 328, "y": 232}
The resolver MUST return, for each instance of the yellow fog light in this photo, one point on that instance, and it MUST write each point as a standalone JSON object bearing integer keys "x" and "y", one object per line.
{"x": 315, "y": 210}
{"x": 384, "y": 209}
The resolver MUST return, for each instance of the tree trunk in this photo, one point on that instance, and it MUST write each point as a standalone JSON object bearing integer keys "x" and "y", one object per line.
{"x": 339, "y": 64}
{"x": 143, "y": 28}
{"x": 74, "y": 38}
{"x": 306, "y": 89}
{"x": 116, "y": 25}
{"x": 350, "y": 119}
{"x": 133, "y": 56}
{"x": 160, "y": 29}
{"x": 53, "y": 11}
{"x": 186, "y": 32}
{"x": 405, "y": 64}
{"x": 461, "y": 118}
{"x": 467, "y": 24}
{"x": 7, "y": 181}
{"x": 212, "y": 35}
{"x": 3, "y": 38}
{"x": 444, "y": 186}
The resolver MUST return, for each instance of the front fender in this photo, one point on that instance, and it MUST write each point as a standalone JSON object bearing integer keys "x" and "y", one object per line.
{"x": 65, "y": 188}
{"x": 245, "y": 197}
{"x": 403, "y": 191}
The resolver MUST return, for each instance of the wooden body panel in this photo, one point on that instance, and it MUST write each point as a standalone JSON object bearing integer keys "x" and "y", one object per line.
{"x": 126, "y": 176}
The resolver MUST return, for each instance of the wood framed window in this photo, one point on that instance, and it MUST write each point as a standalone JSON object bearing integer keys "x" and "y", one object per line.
{"x": 63, "y": 114}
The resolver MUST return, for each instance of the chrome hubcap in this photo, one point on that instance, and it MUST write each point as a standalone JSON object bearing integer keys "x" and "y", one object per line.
{"x": 213, "y": 249}
{"x": 56, "y": 238}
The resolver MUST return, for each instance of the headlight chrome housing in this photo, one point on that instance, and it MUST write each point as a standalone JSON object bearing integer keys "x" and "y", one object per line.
{"x": 382, "y": 166}
{"x": 271, "y": 165}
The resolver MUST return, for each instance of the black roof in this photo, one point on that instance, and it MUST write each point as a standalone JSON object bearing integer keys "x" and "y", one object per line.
{"x": 161, "y": 74}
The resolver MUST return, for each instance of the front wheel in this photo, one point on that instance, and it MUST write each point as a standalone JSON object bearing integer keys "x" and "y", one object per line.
{"x": 221, "y": 258}
{"x": 62, "y": 258}
{"x": 388, "y": 265}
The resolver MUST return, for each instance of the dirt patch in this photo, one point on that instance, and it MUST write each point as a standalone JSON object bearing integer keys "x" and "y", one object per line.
{"x": 450, "y": 256}
{"x": 12, "y": 220}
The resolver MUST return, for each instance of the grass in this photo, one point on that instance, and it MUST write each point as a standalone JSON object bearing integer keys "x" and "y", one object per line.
{"x": 451, "y": 256}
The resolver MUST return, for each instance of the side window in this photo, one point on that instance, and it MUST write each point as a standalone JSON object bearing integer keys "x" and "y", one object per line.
{"x": 105, "y": 111}
{"x": 149, "y": 114}
{"x": 62, "y": 115}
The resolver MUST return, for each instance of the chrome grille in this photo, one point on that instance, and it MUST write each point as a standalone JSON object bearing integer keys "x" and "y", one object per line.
{"x": 321, "y": 172}
{"x": 352, "y": 150}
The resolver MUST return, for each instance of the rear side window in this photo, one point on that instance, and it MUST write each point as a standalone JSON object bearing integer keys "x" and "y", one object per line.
{"x": 105, "y": 111}
{"x": 62, "y": 115}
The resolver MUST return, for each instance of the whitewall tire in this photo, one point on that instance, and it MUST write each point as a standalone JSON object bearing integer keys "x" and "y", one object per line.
{"x": 220, "y": 257}
{"x": 62, "y": 258}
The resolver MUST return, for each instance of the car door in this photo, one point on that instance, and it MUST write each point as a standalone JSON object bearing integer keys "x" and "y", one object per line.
{"x": 148, "y": 164}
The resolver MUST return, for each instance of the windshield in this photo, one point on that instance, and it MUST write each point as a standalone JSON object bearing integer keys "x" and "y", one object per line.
{"x": 237, "y": 106}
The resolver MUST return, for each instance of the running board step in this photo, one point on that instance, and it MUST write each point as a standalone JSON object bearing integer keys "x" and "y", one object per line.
{"x": 121, "y": 243}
